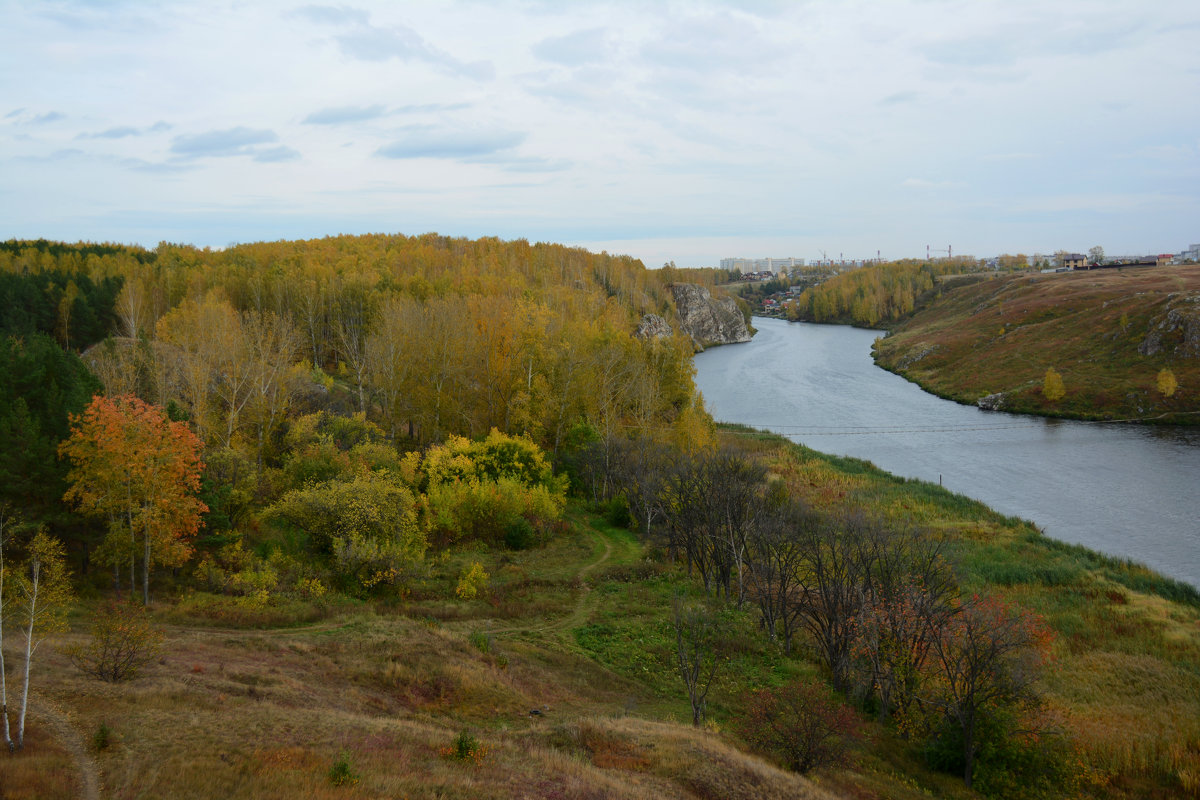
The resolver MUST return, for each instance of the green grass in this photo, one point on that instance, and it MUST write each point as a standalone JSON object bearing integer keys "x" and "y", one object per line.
{"x": 1129, "y": 634}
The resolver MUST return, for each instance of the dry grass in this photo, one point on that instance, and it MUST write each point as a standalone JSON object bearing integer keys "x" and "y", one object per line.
{"x": 673, "y": 760}
{"x": 1001, "y": 335}
{"x": 237, "y": 713}
{"x": 250, "y": 715}
{"x": 44, "y": 770}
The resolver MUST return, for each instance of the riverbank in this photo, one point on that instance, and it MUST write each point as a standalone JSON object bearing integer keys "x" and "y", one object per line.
{"x": 1125, "y": 490}
{"x": 1125, "y": 680}
{"x": 1125, "y": 343}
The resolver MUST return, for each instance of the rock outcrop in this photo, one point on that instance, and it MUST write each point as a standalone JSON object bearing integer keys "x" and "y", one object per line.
{"x": 709, "y": 320}
{"x": 992, "y": 402}
{"x": 1176, "y": 330}
{"x": 653, "y": 326}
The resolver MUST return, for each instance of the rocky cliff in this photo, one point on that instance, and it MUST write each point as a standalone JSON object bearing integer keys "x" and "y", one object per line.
{"x": 708, "y": 320}
{"x": 653, "y": 326}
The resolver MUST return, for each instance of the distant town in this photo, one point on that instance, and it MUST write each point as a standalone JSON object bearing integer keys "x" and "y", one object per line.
{"x": 766, "y": 269}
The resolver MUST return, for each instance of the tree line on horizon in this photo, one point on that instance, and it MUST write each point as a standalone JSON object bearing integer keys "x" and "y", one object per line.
{"x": 874, "y": 295}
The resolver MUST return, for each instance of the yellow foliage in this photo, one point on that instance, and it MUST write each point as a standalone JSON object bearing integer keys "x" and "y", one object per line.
{"x": 1053, "y": 388}
{"x": 471, "y": 581}
{"x": 1166, "y": 382}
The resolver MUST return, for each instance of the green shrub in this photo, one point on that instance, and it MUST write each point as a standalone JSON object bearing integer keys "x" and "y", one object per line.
{"x": 519, "y": 534}
{"x": 372, "y": 525}
{"x": 480, "y": 641}
{"x": 482, "y": 509}
{"x": 102, "y": 738}
{"x": 616, "y": 513}
{"x": 1011, "y": 762}
{"x": 342, "y": 772}
{"x": 465, "y": 747}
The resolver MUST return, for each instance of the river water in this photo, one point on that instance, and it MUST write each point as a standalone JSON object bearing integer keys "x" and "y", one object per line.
{"x": 1125, "y": 490}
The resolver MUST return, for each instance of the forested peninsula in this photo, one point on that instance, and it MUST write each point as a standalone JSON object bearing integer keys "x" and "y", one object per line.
{"x": 1115, "y": 344}
{"x": 392, "y": 516}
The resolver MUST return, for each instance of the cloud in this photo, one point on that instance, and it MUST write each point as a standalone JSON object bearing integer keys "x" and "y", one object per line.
{"x": 274, "y": 154}
{"x": 113, "y": 133}
{"x": 899, "y": 98}
{"x": 332, "y": 15}
{"x": 434, "y": 143}
{"x": 57, "y": 155}
{"x": 342, "y": 114}
{"x": 125, "y": 131}
{"x": 922, "y": 183}
{"x": 155, "y": 167}
{"x": 368, "y": 43}
{"x": 982, "y": 51}
{"x": 1009, "y": 156}
{"x": 50, "y": 116}
{"x": 238, "y": 141}
{"x": 16, "y": 112}
{"x": 580, "y": 47}
{"x": 424, "y": 108}
{"x": 1006, "y": 45}
{"x": 512, "y": 163}
{"x": 716, "y": 43}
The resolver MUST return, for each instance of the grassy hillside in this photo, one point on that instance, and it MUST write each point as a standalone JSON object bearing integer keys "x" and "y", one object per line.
{"x": 1108, "y": 333}
{"x": 562, "y": 671}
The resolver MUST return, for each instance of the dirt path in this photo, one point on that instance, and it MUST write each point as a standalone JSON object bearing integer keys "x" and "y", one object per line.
{"x": 68, "y": 737}
{"x": 582, "y": 606}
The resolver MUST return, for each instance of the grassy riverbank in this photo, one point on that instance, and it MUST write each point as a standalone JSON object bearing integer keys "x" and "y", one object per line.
{"x": 1108, "y": 333}
{"x": 257, "y": 702}
{"x": 1126, "y": 671}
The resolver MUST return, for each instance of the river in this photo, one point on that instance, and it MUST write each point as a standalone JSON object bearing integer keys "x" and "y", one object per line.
{"x": 1128, "y": 491}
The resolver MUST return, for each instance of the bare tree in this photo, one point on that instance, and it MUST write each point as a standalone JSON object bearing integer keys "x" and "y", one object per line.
{"x": 353, "y": 314}
{"x": 839, "y": 557}
{"x": 989, "y": 654}
{"x": 715, "y": 500}
{"x": 390, "y": 348}
{"x": 912, "y": 597}
{"x": 777, "y": 554}
{"x": 272, "y": 343}
{"x": 695, "y": 650}
{"x": 638, "y": 467}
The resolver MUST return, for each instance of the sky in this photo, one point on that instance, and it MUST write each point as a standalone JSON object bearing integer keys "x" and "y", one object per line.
{"x": 673, "y": 131}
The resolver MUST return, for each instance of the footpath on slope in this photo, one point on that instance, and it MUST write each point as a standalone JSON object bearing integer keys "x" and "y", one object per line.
{"x": 607, "y": 544}
{"x": 69, "y": 738}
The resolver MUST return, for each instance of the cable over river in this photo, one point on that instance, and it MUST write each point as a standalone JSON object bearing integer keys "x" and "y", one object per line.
{"x": 1127, "y": 490}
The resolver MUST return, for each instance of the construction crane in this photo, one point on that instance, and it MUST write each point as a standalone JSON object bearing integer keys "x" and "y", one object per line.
{"x": 949, "y": 251}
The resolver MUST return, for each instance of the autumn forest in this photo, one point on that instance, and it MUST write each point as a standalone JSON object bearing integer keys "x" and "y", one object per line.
{"x": 422, "y": 516}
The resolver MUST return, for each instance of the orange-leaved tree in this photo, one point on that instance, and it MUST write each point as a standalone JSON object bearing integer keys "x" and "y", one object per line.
{"x": 141, "y": 470}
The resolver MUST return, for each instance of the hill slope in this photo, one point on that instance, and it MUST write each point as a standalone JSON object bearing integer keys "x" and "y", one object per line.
{"x": 1108, "y": 333}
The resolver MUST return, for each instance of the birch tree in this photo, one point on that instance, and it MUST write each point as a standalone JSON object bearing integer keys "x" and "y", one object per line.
{"x": 272, "y": 343}
{"x": 40, "y": 598}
